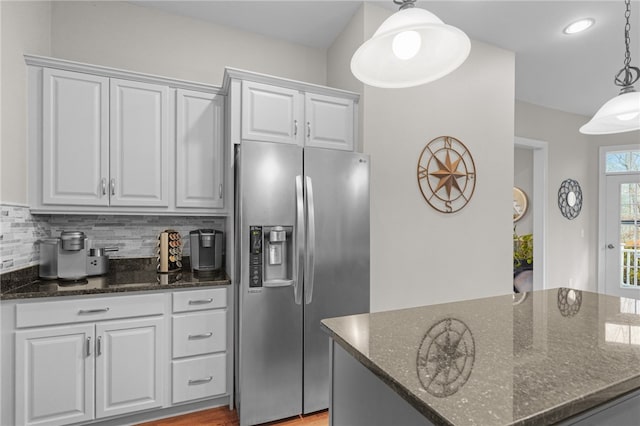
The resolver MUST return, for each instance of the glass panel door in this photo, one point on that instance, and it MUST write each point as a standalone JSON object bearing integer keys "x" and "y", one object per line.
{"x": 622, "y": 251}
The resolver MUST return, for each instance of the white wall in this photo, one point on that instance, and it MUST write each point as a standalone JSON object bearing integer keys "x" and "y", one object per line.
{"x": 131, "y": 37}
{"x": 572, "y": 244}
{"x": 418, "y": 255}
{"x": 25, "y": 27}
{"x": 523, "y": 179}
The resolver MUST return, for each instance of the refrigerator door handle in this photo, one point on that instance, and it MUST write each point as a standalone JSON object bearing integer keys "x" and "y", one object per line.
{"x": 299, "y": 255}
{"x": 311, "y": 242}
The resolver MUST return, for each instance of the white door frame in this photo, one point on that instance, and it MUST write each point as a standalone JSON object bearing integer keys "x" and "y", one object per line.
{"x": 540, "y": 211}
{"x": 602, "y": 192}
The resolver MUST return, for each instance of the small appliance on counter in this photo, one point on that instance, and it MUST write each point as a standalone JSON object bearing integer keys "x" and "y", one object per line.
{"x": 65, "y": 257}
{"x": 206, "y": 250}
{"x": 98, "y": 260}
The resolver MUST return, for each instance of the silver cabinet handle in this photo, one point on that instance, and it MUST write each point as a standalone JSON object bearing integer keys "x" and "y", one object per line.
{"x": 200, "y": 336}
{"x": 93, "y": 311}
{"x": 113, "y": 186}
{"x": 308, "y": 129}
{"x": 200, "y": 302}
{"x": 220, "y": 191}
{"x": 201, "y": 381}
{"x": 104, "y": 186}
{"x": 88, "y": 346}
{"x": 611, "y": 246}
{"x": 311, "y": 242}
{"x": 295, "y": 127}
{"x": 99, "y": 346}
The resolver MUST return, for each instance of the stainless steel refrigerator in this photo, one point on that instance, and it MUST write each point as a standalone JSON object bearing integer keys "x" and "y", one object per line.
{"x": 302, "y": 235}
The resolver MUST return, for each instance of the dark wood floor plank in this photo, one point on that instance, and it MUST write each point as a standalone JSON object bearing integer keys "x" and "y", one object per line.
{"x": 222, "y": 416}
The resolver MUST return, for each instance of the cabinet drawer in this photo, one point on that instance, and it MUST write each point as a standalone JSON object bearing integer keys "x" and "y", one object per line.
{"x": 199, "y": 377}
{"x": 199, "y": 333}
{"x": 195, "y": 300}
{"x": 90, "y": 309}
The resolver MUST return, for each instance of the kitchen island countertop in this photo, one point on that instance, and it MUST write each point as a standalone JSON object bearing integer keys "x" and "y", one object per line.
{"x": 532, "y": 358}
{"x": 125, "y": 276}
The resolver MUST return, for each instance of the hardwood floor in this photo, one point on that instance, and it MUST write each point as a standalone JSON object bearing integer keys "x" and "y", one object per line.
{"x": 222, "y": 416}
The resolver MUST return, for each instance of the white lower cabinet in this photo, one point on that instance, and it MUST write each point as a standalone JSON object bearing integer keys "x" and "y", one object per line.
{"x": 199, "y": 377}
{"x": 80, "y": 360}
{"x": 54, "y": 375}
{"x": 199, "y": 326}
{"x": 128, "y": 366}
{"x": 100, "y": 368}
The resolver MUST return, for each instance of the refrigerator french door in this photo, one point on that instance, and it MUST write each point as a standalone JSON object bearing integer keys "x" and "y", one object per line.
{"x": 303, "y": 240}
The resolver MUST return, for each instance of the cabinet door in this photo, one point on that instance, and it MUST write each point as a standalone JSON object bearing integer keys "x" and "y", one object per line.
{"x": 329, "y": 122}
{"x": 199, "y": 148}
{"x": 129, "y": 374}
{"x": 75, "y": 140}
{"x": 54, "y": 375}
{"x": 271, "y": 113}
{"x": 139, "y": 144}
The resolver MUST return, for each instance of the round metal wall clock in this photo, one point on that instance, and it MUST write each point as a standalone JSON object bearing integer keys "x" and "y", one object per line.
{"x": 446, "y": 174}
{"x": 570, "y": 198}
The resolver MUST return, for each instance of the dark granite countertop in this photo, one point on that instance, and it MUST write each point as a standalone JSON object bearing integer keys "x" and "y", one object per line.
{"x": 533, "y": 358}
{"x": 125, "y": 275}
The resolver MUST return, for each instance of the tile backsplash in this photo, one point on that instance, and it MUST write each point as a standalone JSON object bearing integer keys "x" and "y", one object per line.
{"x": 135, "y": 236}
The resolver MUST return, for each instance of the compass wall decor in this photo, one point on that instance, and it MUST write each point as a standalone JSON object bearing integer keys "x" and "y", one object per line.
{"x": 446, "y": 174}
{"x": 570, "y": 198}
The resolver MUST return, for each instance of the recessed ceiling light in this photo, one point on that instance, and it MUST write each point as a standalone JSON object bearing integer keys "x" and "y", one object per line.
{"x": 579, "y": 26}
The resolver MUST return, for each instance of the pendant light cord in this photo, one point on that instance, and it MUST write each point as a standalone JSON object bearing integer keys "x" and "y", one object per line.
{"x": 405, "y": 4}
{"x": 625, "y": 77}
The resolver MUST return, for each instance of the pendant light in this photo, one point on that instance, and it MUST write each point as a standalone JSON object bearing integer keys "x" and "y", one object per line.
{"x": 622, "y": 113}
{"x": 411, "y": 47}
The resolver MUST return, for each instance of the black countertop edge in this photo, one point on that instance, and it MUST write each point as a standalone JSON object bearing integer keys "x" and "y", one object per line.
{"x": 432, "y": 415}
{"x": 125, "y": 275}
{"x": 16, "y": 294}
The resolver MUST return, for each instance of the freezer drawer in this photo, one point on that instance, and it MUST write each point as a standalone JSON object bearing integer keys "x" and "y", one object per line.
{"x": 200, "y": 377}
{"x": 199, "y": 333}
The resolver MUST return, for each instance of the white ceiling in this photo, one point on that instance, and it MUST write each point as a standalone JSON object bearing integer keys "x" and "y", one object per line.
{"x": 569, "y": 73}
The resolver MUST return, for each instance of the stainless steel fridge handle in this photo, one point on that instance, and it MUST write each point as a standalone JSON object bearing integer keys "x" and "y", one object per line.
{"x": 299, "y": 256}
{"x": 311, "y": 242}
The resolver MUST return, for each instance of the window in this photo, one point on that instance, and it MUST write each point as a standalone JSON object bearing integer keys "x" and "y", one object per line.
{"x": 622, "y": 161}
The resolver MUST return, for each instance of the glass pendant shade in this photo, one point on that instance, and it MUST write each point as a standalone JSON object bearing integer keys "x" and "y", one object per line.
{"x": 618, "y": 115}
{"x": 411, "y": 47}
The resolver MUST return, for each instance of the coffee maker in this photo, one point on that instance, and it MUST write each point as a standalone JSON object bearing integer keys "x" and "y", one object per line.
{"x": 206, "y": 249}
{"x": 64, "y": 258}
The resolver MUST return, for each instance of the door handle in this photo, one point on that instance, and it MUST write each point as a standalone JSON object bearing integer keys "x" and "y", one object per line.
{"x": 299, "y": 256}
{"x": 113, "y": 187}
{"x": 295, "y": 127}
{"x": 611, "y": 246}
{"x": 104, "y": 186}
{"x": 308, "y": 130}
{"x": 309, "y": 267}
{"x": 88, "y": 346}
{"x": 99, "y": 346}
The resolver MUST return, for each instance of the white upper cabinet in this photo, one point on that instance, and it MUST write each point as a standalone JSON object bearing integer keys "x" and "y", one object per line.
{"x": 272, "y": 109}
{"x": 104, "y": 140}
{"x": 271, "y": 113}
{"x": 329, "y": 122}
{"x": 199, "y": 149}
{"x": 75, "y": 146}
{"x": 139, "y": 144}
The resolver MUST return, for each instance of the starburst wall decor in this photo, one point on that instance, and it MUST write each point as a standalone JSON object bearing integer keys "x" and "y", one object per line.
{"x": 446, "y": 174}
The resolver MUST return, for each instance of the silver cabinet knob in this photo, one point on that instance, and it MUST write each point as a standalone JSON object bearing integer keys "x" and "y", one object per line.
{"x": 611, "y": 246}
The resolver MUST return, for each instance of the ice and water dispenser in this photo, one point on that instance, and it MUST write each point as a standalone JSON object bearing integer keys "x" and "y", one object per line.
{"x": 271, "y": 259}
